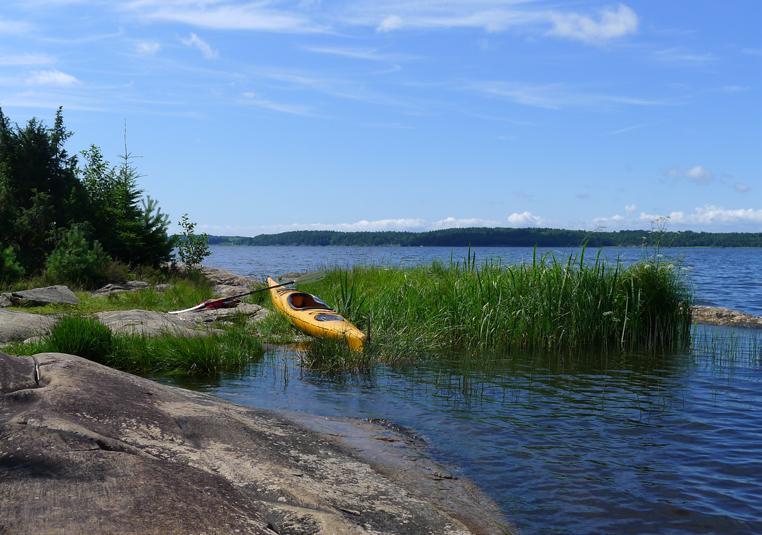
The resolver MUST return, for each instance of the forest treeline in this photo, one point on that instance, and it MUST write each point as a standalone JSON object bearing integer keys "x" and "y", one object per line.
{"x": 71, "y": 217}
{"x": 501, "y": 237}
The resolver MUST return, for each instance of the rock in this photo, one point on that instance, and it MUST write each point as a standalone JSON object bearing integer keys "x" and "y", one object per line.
{"x": 88, "y": 449}
{"x": 44, "y": 296}
{"x": 17, "y": 326}
{"x": 162, "y": 287}
{"x": 115, "y": 287}
{"x": 253, "y": 312}
{"x": 227, "y": 283}
{"x": 724, "y": 316}
{"x": 147, "y": 323}
{"x": 5, "y": 300}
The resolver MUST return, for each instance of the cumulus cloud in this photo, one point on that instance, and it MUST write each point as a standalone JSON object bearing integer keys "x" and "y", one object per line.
{"x": 147, "y": 48}
{"x": 610, "y": 24}
{"x": 524, "y": 219}
{"x": 194, "y": 41}
{"x": 52, "y": 77}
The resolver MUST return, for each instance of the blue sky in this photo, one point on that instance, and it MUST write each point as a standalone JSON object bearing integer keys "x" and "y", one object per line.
{"x": 264, "y": 116}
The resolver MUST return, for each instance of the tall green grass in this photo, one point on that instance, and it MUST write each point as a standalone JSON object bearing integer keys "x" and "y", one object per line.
{"x": 545, "y": 305}
{"x": 200, "y": 355}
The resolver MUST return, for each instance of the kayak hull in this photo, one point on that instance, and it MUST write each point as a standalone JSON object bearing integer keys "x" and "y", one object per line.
{"x": 311, "y": 316}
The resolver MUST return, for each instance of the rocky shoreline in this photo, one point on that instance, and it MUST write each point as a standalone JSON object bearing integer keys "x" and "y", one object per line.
{"x": 88, "y": 449}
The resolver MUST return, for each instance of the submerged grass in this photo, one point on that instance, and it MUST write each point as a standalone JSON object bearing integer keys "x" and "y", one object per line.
{"x": 201, "y": 355}
{"x": 543, "y": 306}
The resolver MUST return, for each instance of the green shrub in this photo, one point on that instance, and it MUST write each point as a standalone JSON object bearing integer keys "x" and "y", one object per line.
{"x": 10, "y": 269}
{"x": 192, "y": 248}
{"x": 85, "y": 337}
{"x": 77, "y": 261}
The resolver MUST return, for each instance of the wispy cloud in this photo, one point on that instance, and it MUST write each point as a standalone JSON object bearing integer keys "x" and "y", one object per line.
{"x": 627, "y": 129}
{"x": 368, "y": 54}
{"x": 25, "y": 59}
{"x": 611, "y": 23}
{"x": 557, "y": 96}
{"x": 194, "y": 41}
{"x": 494, "y": 16}
{"x": 464, "y": 222}
{"x": 14, "y": 26}
{"x": 741, "y": 187}
{"x": 224, "y": 15}
{"x": 683, "y": 56}
{"x": 52, "y": 77}
{"x": 251, "y": 98}
{"x": 148, "y": 48}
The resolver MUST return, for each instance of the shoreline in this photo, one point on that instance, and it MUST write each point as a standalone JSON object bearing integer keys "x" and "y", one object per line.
{"x": 89, "y": 448}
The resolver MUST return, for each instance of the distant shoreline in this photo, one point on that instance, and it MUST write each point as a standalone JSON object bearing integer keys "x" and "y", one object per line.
{"x": 500, "y": 237}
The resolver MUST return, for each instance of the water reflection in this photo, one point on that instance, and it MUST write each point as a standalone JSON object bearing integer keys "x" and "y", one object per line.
{"x": 631, "y": 443}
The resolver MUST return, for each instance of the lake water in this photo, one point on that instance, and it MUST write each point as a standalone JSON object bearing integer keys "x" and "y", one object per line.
{"x": 625, "y": 444}
{"x": 730, "y": 277}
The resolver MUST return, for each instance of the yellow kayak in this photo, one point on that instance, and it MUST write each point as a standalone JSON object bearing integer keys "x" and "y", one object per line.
{"x": 312, "y": 316}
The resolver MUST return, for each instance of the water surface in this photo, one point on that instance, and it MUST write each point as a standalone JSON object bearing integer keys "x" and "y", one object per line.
{"x": 730, "y": 277}
{"x": 593, "y": 444}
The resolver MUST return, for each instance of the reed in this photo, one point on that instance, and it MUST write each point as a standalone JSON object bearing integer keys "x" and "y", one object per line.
{"x": 545, "y": 305}
{"x": 200, "y": 355}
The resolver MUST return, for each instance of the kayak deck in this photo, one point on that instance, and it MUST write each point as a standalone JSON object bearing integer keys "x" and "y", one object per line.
{"x": 312, "y": 316}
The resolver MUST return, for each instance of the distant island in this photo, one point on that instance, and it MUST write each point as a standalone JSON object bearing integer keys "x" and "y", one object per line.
{"x": 501, "y": 237}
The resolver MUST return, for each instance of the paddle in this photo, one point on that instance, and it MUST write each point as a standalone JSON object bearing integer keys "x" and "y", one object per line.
{"x": 224, "y": 302}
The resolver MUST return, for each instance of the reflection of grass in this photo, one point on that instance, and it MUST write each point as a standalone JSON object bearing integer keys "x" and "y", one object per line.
{"x": 728, "y": 346}
{"x": 543, "y": 306}
{"x": 166, "y": 353}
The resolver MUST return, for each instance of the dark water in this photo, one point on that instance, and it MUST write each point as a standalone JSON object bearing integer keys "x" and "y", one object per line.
{"x": 729, "y": 277}
{"x": 625, "y": 444}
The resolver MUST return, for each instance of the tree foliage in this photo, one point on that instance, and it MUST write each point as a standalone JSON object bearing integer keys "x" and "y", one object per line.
{"x": 45, "y": 193}
{"x": 192, "y": 248}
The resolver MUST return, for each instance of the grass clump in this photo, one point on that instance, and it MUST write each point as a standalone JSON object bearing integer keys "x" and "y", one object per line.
{"x": 546, "y": 305}
{"x": 200, "y": 355}
{"x": 334, "y": 356}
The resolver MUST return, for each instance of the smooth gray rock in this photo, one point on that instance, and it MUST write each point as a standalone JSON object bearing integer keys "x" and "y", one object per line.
{"x": 18, "y": 326}
{"x": 254, "y": 313}
{"x": 44, "y": 296}
{"x": 117, "y": 287}
{"x": 88, "y": 449}
{"x": 147, "y": 323}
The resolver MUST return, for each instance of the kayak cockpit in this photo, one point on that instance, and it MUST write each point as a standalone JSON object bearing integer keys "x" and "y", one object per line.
{"x": 305, "y": 301}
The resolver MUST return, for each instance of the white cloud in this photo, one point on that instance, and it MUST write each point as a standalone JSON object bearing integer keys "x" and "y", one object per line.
{"x": 251, "y": 98}
{"x": 454, "y": 222}
{"x": 147, "y": 48}
{"x": 697, "y": 174}
{"x": 630, "y": 208}
{"x": 223, "y": 15}
{"x": 390, "y": 23}
{"x": 610, "y": 24}
{"x": 194, "y": 41}
{"x": 52, "y": 77}
{"x": 709, "y": 215}
{"x": 368, "y": 54}
{"x": 557, "y": 96}
{"x": 524, "y": 219}
{"x": 683, "y": 56}
{"x": 13, "y": 26}
{"x": 25, "y": 59}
